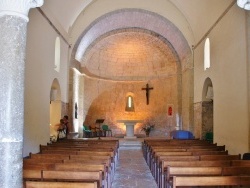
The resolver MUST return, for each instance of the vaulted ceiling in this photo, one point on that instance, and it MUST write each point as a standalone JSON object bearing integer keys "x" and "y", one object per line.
{"x": 136, "y": 40}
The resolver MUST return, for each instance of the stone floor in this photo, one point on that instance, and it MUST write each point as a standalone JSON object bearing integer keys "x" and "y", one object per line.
{"x": 132, "y": 170}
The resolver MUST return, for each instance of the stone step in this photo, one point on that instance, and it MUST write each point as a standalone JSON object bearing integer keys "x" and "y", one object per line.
{"x": 130, "y": 144}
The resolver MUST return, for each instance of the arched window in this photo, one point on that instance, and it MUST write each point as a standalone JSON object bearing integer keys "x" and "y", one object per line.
{"x": 57, "y": 54}
{"x": 207, "y": 54}
{"x": 130, "y": 103}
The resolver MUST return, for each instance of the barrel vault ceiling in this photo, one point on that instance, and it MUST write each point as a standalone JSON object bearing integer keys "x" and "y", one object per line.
{"x": 132, "y": 52}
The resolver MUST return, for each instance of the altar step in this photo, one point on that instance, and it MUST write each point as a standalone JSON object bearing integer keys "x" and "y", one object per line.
{"x": 130, "y": 143}
{"x": 123, "y": 135}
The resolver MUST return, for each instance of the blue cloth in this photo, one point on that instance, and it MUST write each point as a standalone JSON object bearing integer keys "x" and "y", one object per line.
{"x": 180, "y": 134}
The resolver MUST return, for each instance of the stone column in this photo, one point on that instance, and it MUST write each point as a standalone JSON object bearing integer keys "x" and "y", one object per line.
{"x": 13, "y": 26}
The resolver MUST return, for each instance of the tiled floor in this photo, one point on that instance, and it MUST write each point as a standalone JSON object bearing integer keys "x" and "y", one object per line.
{"x": 132, "y": 170}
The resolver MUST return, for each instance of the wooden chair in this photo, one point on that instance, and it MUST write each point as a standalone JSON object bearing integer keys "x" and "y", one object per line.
{"x": 88, "y": 133}
{"x": 106, "y": 130}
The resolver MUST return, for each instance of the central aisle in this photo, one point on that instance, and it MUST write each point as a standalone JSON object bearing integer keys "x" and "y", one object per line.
{"x": 132, "y": 170}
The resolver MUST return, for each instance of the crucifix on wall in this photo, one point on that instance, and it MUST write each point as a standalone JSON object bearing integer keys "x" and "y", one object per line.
{"x": 147, "y": 89}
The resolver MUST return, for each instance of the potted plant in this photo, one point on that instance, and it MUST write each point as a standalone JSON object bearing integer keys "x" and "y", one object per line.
{"x": 147, "y": 128}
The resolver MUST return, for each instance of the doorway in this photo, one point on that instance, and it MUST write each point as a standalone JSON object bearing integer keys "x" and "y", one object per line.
{"x": 55, "y": 107}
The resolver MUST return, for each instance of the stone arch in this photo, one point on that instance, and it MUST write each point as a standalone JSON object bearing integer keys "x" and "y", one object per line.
{"x": 164, "y": 44}
{"x": 124, "y": 19}
{"x": 132, "y": 18}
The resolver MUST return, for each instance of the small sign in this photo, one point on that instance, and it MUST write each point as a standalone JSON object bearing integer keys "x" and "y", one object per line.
{"x": 170, "y": 110}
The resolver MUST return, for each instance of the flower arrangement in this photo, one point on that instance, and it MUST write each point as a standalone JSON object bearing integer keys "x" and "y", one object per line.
{"x": 147, "y": 128}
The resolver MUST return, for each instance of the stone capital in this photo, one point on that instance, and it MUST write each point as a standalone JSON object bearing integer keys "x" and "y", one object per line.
{"x": 18, "y": 8}
{"x": 244, "y": 4}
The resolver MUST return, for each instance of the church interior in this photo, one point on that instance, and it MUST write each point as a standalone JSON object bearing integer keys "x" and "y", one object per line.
{"x": 173, "y": 65}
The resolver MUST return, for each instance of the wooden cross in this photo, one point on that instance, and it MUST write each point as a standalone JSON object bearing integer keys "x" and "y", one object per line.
{"x": 147, "y": 92}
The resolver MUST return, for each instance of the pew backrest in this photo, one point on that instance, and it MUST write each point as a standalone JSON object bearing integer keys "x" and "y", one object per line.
{"x": 222, "y": 163}
{"x": 32, "y": 174}
{"x": 191, "y": 171}
{"x": 240, "y": 163}
{"x": 219, "y": 157}
{"x": 73, "y": 176}
{"x": 43, "y": 184}
{"x": 210, "y": 181}
{"x": 236, "y": 170}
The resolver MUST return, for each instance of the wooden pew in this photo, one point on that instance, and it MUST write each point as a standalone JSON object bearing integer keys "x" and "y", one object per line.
{"x": 190, "y": 171}
{"x": 109, "y": 170}
{"x": 42, "y": 160}
{"x": 240, "y": 163}
{"x": 68, "y": 152}
{"x": 158, "y": 168}
{"x": 220, "y": 157}
{"x": 39, "y": 166}
{"x": 165, "y": 164}
{"x": 155, "y": 164}
{"x": 73, "y": 176}
{"x": 73, "y": 165}
{"x": 210, "y": 153}
{"x": 155, "y": 158}
{"x": 245, "y": 181}
{"x": 210, "y": 181}
{"x": 49, "y": 156}
{"x": 54, "y": 159}
{"x": 43, "y": 184}
{"x": 87, "y": 168}
{"x": 32, "y": 174}
{"x": 236, "y": 170}
{"x": 152, "y": 149}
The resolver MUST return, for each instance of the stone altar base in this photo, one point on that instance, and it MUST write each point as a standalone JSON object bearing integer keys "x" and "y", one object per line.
{"x": 130, "y": 143}
{"x": 123, "y": 135}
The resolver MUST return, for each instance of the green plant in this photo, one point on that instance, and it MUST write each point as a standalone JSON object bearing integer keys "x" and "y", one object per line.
{"x": 147, "y": 128}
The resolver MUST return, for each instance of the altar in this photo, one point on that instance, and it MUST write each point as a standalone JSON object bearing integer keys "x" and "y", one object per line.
{"x": 130, "y": 127}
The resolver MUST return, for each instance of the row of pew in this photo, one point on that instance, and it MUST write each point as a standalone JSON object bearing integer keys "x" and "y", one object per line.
{"x": 72, "y": 163}
{"x": 176, "y": 163}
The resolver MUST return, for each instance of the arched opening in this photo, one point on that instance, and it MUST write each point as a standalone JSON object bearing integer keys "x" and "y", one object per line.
{"x": 55, "y": 107}
{"x": 57, "y": 54}
{"x": 207, "y": 54}
{"x": 97, "y": 53}
{"x": 207, "y": 110}
{"x": 130, "y": 103}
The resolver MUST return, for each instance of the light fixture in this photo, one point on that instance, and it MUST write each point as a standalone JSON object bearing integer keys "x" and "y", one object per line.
{"x": 244, "y": 4}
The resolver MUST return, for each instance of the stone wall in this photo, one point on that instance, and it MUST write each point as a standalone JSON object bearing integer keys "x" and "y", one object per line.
{"x": 107, "y": 100}
{"x": 207, "y": 118}
{"x": 197, "y": 119}
{"x": 203, "y": 118}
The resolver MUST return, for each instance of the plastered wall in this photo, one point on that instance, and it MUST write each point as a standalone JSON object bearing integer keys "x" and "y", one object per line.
{"x": 39, "y": 75}
{"x": 229, "y": 78}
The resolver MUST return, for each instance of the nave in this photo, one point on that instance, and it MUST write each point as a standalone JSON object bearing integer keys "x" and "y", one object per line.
{"x": 132, "y": 170}
{"x": 148, "y": 163}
